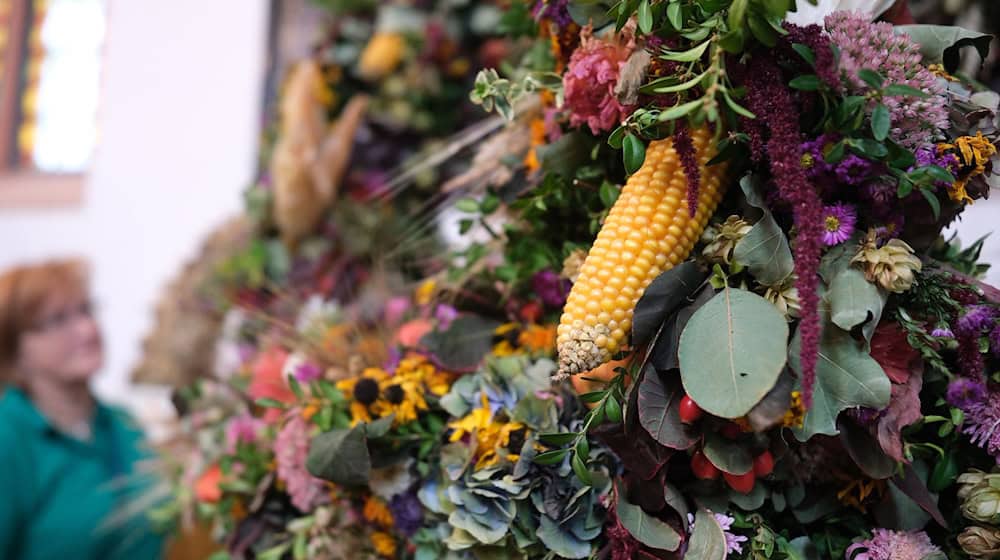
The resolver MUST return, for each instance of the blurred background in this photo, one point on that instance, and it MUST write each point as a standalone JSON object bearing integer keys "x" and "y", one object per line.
{"x": 129, "y": 130}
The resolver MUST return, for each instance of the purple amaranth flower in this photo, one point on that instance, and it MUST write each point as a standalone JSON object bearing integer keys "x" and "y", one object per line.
{"x": 838, "y": 223}
{"x": 982, "y": 421}
{"x": 557, "y": 11}
{"x": 813, "y": 37}
{"x": 876, "y": 46}
{"x": 684, "y": 147}
{"x": 771, "y": 101}
{"x": 551, "y": 288}
{"x": 964, "y": 393}
{"x": 307, "y": 372}
{"x": 407, "y": 513}
{"x": 886, "y": 544}
{"x": 242, "y": 429}
{"x": 291, "y": 448}
{"x": 733, "y": 541}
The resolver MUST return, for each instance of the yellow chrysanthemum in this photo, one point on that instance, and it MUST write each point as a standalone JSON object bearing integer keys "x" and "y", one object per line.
{"x": 376, "y": 511}
{"x": 490, "y": 435}
{"x": 973, "y": 153}
{"x": 384, "y": 544}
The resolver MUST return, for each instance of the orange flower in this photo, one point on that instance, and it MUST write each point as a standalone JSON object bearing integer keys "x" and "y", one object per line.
{"x": 538, "y": 338}
{"x": 268, "y": 381}
{"x": 377, "y": 512}
{"x": 206, "y": 488}
{"x": 411, "y": 332}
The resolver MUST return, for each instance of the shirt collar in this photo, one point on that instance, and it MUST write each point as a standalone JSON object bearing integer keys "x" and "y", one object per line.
{"x": 18, "y": 403}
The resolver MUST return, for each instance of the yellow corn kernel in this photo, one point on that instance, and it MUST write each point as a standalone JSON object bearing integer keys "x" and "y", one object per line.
{"x": 647, "y": 231}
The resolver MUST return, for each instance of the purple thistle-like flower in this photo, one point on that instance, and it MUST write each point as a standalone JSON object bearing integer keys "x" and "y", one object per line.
{"x": 684, "y": 147}
{"x": 407, "y": 513}
{"x": 551, "y": 288}
{"x": 307, "y": 372}
{"x": 838, "y": 223}
{"x": 964, "y": 393}
{"x": 982, "y": 421}
{"x": 975, "y": 321}
{"x": 886, "y": 544}
{"x": 770, "y": 100}
{"x": 876, "y": 46}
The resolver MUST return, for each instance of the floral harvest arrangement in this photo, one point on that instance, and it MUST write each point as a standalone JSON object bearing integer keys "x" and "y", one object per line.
{"x": 707, "y": 313}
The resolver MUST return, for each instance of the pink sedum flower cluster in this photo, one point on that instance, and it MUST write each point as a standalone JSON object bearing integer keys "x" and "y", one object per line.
{"x": 291, "y": 447}
{"x": 876, "y": 46}
{"x": 590, "y": 81}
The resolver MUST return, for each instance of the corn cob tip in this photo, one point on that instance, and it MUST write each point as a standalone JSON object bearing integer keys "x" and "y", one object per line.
{"x": 580, "y": 348}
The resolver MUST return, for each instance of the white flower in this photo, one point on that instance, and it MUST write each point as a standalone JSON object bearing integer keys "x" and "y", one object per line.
{"x": 807, "y": 14}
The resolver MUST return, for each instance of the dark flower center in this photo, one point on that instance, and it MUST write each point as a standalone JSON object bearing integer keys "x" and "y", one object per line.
{"x": 366, "y": 391}
{"x": 394, "y": 394}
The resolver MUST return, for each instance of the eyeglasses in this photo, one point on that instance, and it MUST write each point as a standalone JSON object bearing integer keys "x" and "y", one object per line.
{"x": 65, "y": 317}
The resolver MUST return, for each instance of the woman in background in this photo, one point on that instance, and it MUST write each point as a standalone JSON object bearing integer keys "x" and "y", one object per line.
{"x": 68, "y": 461}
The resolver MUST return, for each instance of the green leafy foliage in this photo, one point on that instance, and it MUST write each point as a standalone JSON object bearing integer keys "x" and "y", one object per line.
{"x": 646, "y": 529}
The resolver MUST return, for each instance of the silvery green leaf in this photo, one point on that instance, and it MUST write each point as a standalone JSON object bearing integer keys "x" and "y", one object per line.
{"x": 708, "y": 540}
{"x": 854, "y": 302}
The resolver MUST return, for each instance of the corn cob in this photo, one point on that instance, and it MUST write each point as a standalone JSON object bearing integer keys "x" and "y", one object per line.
{"x": 647, "y": 231}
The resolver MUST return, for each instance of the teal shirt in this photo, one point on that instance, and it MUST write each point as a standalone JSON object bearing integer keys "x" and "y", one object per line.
{"x": 57, "y": 493}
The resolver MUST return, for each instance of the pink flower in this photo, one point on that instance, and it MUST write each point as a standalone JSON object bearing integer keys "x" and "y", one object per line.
{"x": 590, "y": 81}
{"x": 242, "y": 429}
{"x": 268, "y": 382}
{"x": 291, "y": 448}
{"x": 894, "y": 545}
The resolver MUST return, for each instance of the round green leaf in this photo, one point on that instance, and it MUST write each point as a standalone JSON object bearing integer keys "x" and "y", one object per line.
{"x": 658, "y": 404}
{"x": 633, "y": 153}
{"x": 732, "y": 351}
{"x": 646, "y": 529}
{"x": 727, "y": 455}
{"x": 708, "y": 541}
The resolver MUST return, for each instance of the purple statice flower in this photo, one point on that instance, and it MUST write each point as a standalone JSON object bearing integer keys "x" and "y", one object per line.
{"x": 771, "y": 101}
{"x": 982, "y": 421}
{"x": 242, "y": 429}
{"x": 407, "y": 513}
{"x": 291, "y": 448}
{"x": 734, "y": 542}
{"x": 685, "y": 149}
{"x": 975, "y": 321}
{"x": 557, "y": 11}
{"x": 942, "y": 332}
{"x": 964, "y": 393}
{"x": 551, "y": 288}
{"x": 887, "y": 544}
{"x": 445, "y": 314}
{"x": 838, "y": 223}
{"x": 307, "y": 372}
{"x": 876, "y": 46}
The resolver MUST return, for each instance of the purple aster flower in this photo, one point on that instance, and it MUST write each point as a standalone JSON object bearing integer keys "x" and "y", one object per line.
{"x": 964, "y": 393}
{"x": 982, "y": 421}
{"x": 551, "y": 288}
{"x": 853, "y": 170}
{"x": 307, "y": 372}
{"x": 814, "y": 155}
{"x": 838, "y": 223}
{"x": 927, "y": 155}
{"x": 407, "y": 513}
{"x": 886, "y": 544}
{"x": 942, "y": 332}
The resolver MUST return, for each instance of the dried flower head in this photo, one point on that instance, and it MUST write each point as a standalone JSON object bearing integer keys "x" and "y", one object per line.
{"x": 891, "y": 265}
{"x": 980, "y": 543}
{"x": 722, "y": 239}
{"x": 591, "y": 78}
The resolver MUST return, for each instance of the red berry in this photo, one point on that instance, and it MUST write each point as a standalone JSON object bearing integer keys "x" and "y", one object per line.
{"x": 689, "y": 410}
{"x": 763, "y": 464}
{"x": 742, "y": 483}
{"x": 703, "y": 468}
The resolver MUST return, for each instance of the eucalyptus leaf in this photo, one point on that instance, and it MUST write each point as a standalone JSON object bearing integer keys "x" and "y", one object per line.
{"x": 708, "y": 540}
{"x": 647, "y": 529}
{"x": 340, "y": 456}
{"x": 728, "y": 455}
{"x": 765, "y": 251}
{"x": 659, "y": 404}
{"x": 752, "y": 501}
{"x": 846, "y": 377}
{"x": 855, "y": 302}
{"x": 663, "y": 295}
{"x": 462, "y": 346}
{"x": 716, "y": 370}
{"x": 943, "y": 43}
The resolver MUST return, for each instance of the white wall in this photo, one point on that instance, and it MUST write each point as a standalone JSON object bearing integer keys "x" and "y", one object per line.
{"x": 179, "y": 121}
